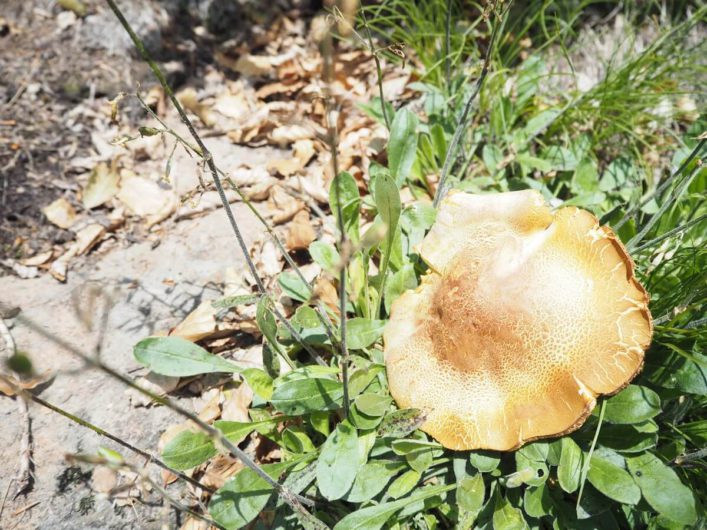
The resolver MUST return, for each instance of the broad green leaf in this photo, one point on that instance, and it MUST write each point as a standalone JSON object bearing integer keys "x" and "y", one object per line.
{"x": 533, "y": 456}
{"x": 363, "y": 421}
{"x": 673, "y": 370}
{"x": 188, "y": 449}
{"x": 537, "y": 501}
{"x": 627, "y": 438}
{"x": 179, "y": 358}
{"x": 244, "y": 496}
{"x": 560, "y": 158}
{"x": 540, "y": 121}
{"x": 400, "y": 423}
{"x": 301, "y": 396}
{"x": 373, "y": 404}
{"x": 320, "y": 422}
{"x": 634, "y": 404}
{"x": 613, "y": 481}
{"x": 363, "y": 377}
{"x": 236, "y": 431}
{"x": 399, "y": 282}
{"x": 295, "y": 439}
{"x": 404, "y": 484}
{"x": 374, "y": 517}
{"x": 362, "y": 332}
{"x": 389, "y": 208}
{"x": 484, "y": 461}
{"x": 407, "y": 446}
{"x": 569, "y": 472}
{"x": 420, "y": 460}
{"x": 293, "y": 286}
{"x": 228, "y": 302}
{"x": 402, "y": 144}
{"x": 350, "y": 201}
{"x": 371, "y": 479}
{"x": 439, "y": 141}
{"x": 506, "y": 517}
{"x": 662, "y": 488}
{"x": 338, "y": 462}
{"x": 326, "y": 256}
{"x": 260, "y": 382}
{"x": 471, "y": 492}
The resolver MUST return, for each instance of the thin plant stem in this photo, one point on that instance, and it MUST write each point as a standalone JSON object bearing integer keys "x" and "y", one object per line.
{"x": 96, "y": 460}
{"x": 295, "y": 501}
{"x": 656, "y": 217}
{"x": 587, "y": 464}
{"x": 443, "y": 186}
{"x": 448, "y": 44}
{"x": 379, "y": 70}
{"x": 325, "y": 321}
{"x": 328, "y": 55}
{"x": 119, "y": 441}
{"x": 670, "y": 233}
{"x": 633, "y": 212}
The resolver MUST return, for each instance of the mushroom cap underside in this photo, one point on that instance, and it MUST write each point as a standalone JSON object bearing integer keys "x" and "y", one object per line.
{"x": 525, "y": 317}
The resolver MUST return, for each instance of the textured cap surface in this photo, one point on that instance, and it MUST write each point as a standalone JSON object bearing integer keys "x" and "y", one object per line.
{"x": 525, "y": 317}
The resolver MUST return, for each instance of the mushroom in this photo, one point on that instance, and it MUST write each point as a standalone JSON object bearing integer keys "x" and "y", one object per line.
{"x": 526, "y": 316}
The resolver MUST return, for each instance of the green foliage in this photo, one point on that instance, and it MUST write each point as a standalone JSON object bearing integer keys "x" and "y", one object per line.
{"x": 637, "y": 466}
{"x": 178, "y": 357}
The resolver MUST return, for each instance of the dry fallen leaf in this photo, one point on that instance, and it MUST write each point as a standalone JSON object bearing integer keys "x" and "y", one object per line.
{"x": 103, "y": 479}
{"x": 284, "y": 166}
{"x": 198, "y": 324}
{"x": 88, "y": 237}
{"x": 60, "y": 213}
{"x": 147, "y": 199}
{"x": 212, "y": 409}
{"x": 219, "y": 470}
{"x": 38, "y": 259}
{"x": 189, "y": 98}
{"x": 235, "y": 407}
{"x": 301, "y": 232}
{"x": 101, "y": 187}
{"x": 283, "y": 205}
{"x": 325, "y": 291}
{"x": 254, "y": 65}
{"x": 287, "y": 134}
{"x": 8, "y": 383}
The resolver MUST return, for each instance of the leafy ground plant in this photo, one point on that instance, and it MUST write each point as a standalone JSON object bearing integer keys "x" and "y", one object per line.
{"x": 348, "y": 457}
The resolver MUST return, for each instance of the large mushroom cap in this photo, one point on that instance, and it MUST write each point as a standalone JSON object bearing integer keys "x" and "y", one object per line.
{"x": 525, "y": 317}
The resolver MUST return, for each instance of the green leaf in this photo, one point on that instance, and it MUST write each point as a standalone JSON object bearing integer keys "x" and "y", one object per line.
{"x": 506, "y": 517}
{"x": 374, "y": 517}
{"x": 187, "y": 450}
{"x": 676, "y": 371}
{"x": 179, "y": 357}
{"x": 400, "y": 282}
{"x": 389, "y": 208}
{"x": 471, "y": 492}
{"x": 400, "y": 423}
{"x": 260, "y": 382}
{"x": 634, "y": 404}
{"x": 569, "y": 472}
{"x": 662, "y": 488}
{"x": 484, "y": 461}
{"x": 533, "y": 457}
{"x": 371, "y": 479}
{"x": 293, "y": 286}
{"x": 537, "y": 501}
{"x": 404, "y": 484}
{"x": 373, "y": 404}
{"x": 228, "y": 302}
{"x": 439, "y": 141}
{"x": 236, "y": 431}
{"x": 244, "y": 496}
{"x": 362, "y": 332}
{"x": 407, "y": 446}
{"x": 350, "y": 201}
{"x": 613, "y": 481}
{"x": 302, "y": 396}
{"x": 338, "y": 462}
{"x": 326, "y": 256}
{"x": 402, "y": 144}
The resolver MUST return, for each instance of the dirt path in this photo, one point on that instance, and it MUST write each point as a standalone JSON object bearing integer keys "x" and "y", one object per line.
{"x": 152, "y": 289}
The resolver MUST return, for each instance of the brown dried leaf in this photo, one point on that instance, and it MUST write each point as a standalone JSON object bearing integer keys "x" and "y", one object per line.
{"x": 38, "y": 259}
{"x": 60, "y": 213}
{"x": 283, "y": 205}
{"x": 301, "y": 232}
{"x": 146, "y": 198}
{"x": 284, "y": 166}
{"x": 103, "y": 479}
{"x": 235, "y": 407}
{"x": 219, "y": 470}
{"x": 198, "y": 324}
{"x": 88, "y": 237}
{"x": 101, "y": 187}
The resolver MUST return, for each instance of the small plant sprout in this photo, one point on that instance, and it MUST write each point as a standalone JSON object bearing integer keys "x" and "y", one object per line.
{"x": 526, "y": 316}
